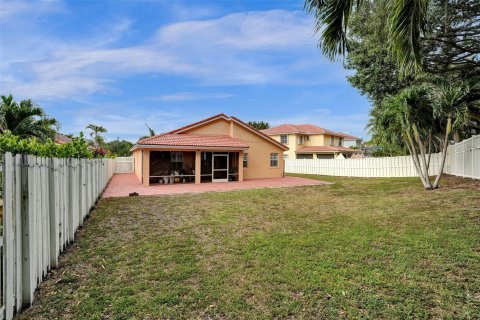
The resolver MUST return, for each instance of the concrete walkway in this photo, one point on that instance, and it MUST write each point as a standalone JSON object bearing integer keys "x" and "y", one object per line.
{"x": 124, "y": 183}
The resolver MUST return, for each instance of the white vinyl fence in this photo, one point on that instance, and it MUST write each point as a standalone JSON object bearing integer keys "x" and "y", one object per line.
{"x": 463, "y": 159}
{"x": 124, "y": 165}
{"x": 45, "y": 201}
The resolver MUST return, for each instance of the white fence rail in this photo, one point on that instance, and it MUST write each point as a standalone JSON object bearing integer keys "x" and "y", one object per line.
{"x": 124, "y": 165}
{"x": 45, "y": 201}
{"x": 463, "y": 159}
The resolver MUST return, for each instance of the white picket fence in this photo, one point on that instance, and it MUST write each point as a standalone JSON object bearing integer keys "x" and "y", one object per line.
{"x": 463, "y": 159}
{"x": 124, "y": 165}
{"x": 45, "y": 201}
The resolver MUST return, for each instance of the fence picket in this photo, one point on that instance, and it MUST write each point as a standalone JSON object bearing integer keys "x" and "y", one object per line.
{"x": 44, "y": 203}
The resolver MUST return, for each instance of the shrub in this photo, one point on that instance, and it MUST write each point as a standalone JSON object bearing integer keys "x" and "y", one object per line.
{"x": 77, "y": 148}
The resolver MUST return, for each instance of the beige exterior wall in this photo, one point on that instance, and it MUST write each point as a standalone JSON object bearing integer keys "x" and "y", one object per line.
{"x": 137, "y": 158}
{"x": 316, "y": 140}
{"x": 258, "y": 152}
{"x": 215, "y": 127}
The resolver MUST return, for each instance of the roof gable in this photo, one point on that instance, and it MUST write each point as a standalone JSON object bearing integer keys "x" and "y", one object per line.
{"x": 183, "y": 131}
{"x": 223, "y": 116}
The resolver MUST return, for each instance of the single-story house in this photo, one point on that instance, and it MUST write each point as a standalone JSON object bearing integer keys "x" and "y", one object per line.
{"x": 217, "y": 149}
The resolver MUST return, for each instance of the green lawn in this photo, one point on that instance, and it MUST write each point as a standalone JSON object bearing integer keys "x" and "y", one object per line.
{"x": 360, "y": 248}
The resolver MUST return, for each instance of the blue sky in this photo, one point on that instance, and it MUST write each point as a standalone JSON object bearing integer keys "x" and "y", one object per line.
{"x": 167, "y": 63}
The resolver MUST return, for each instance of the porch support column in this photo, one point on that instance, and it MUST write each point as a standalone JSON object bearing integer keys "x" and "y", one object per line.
{"x": 146, "y": 167}
{"x": 240, "y": 166}
{"x": 198, "y": 167}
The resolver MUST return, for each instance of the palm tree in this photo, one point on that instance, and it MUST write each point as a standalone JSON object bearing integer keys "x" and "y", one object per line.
{"x": 407, "y": 23}
{"x": 151, "y": 133}
{"x": 449, "y": 103}
{"x": 409, "y": 116}
{"x": 25, "y": 119}
{"x": 95, "y": 134}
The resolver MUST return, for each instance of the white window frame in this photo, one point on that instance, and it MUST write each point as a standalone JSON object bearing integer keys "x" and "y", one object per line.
{"x": 284, "y": 136}
{"x": 273, "y": 158}
{"x": 340, "y": 141}
{"x": 332, "y": 140}
{"x": 245, "y": 160}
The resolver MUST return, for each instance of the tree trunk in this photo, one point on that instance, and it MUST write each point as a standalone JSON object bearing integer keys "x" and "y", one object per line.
{"x": 429, "y": 149}
{"x": 444, "y": 154}
{"x": 416, "y": 163}
{"x": 422, "y": 156}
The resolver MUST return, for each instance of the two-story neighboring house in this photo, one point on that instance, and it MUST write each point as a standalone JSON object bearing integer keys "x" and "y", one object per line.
{"x": 307, "y": 141}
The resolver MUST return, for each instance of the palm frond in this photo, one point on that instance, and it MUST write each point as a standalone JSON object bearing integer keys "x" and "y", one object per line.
{"x": 331, "y": 20}
{"x": 407, "y": 25}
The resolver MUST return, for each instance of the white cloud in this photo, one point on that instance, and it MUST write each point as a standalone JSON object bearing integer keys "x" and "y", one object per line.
{"x": 9, "y": 10}
{"x": 191, "y": 96}
{"x": 274, "y": 47}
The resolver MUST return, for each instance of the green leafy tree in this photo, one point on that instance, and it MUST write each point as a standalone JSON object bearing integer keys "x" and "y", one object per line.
{"x": 120, "y": 147}
{"x": 96, "y": 130}
{"x": 25, "y": 119}
{"x": 423, "y": 35}
{"x": 259, "y": 125}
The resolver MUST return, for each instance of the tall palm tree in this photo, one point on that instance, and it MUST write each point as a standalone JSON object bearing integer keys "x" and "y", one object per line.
{"x": 407, "y": 23}
{"x": 98, "y": 140}
{"x": 25, "y": 119}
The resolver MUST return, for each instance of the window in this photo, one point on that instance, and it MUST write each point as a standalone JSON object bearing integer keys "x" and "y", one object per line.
{"x": 284, "y": 139}
{"x": 300, "y": 139}
{"x": 340, "y": 141}
{"x": 273, "y": 159}
{"x": 332, "y": 141}
{"x": 307, "y": 138}
{"x": 245, "y": 160}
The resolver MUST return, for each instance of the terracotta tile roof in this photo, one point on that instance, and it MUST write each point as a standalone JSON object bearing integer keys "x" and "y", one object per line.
{"x": 326, "y": 149}
{"x": 299, "y": 128}
{"x": 194, "y": 140}
{"x": 347, "y": 136}
{"x": 61, "y": 138}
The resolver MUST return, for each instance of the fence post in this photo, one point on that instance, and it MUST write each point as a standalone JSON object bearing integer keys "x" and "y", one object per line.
{"x": 8, "y": 236}
{"x": 18, "y": 230}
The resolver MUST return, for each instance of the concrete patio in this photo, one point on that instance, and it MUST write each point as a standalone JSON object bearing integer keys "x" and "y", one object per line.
{"x": 124, "y": 183}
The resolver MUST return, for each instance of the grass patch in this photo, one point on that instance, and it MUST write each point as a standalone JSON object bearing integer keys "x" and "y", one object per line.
{"x": 360, "y": 248}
